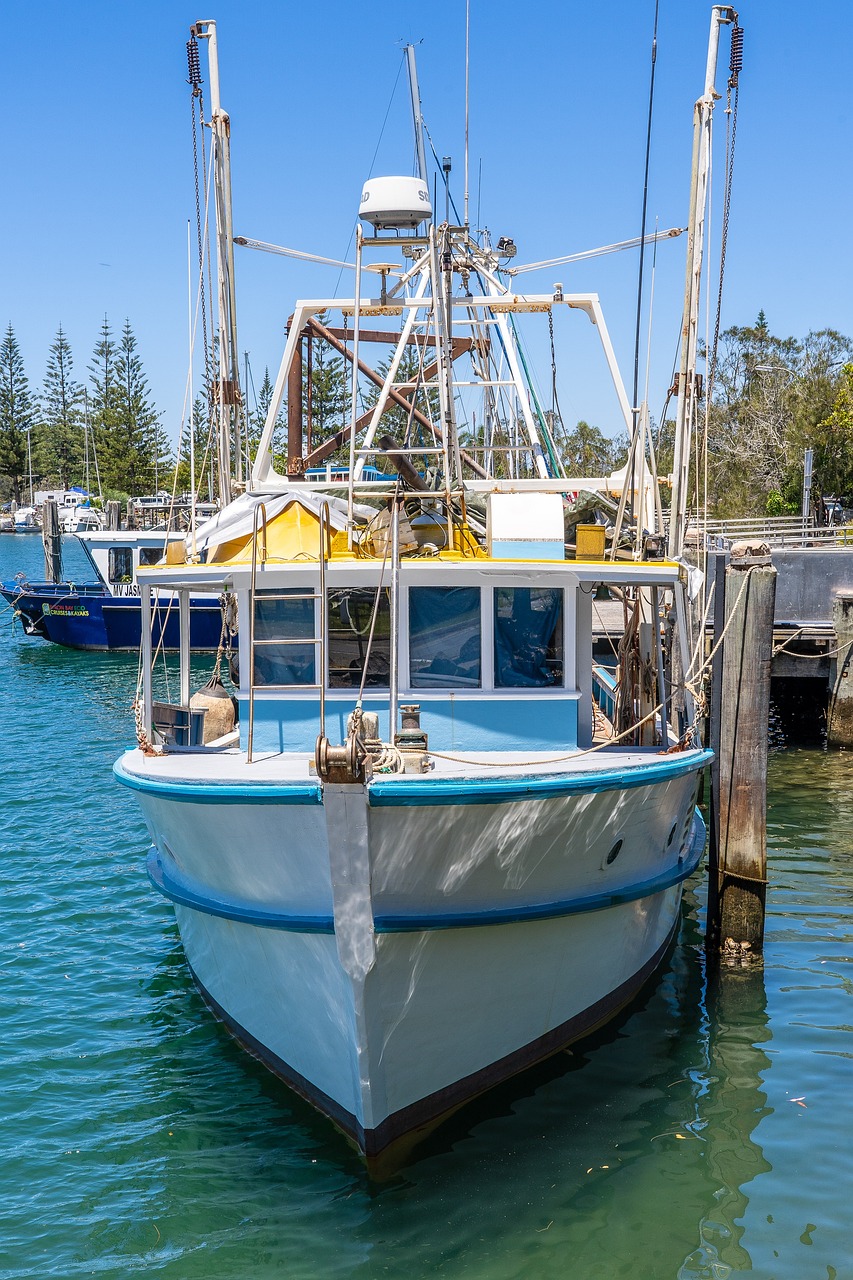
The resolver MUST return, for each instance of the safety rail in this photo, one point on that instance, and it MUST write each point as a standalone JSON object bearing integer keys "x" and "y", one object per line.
{"x": 317, "y": 640}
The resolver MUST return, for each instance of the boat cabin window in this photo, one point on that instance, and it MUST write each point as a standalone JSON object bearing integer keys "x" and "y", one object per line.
{"x": 444, "y": 637}
{"x": 349, "y": 616}
{"x": 284, "y": 650}
{"x": 150, "y": 555}
{"x": 121, "y": 564}
{"x": 528, "y": 637}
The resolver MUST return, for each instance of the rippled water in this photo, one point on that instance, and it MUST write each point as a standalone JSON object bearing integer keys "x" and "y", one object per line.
{"x": 709, "y": 1133}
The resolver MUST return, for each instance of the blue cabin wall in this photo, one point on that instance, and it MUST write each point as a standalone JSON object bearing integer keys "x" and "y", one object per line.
{"x": 453, "y": 722}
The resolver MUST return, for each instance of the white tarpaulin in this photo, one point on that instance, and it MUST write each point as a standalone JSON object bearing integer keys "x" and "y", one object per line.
{"x": 238, "y": 518}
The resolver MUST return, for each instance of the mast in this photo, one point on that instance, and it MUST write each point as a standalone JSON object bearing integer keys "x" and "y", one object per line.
{"x": 417, "y": 119}
{"x": 227, "y": 392}
{"x": 721, "y": 15}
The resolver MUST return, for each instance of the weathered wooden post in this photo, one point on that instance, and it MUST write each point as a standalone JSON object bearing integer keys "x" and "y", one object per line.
{"x": 51, "y": 536}
{"x": 738, "y": 865}
{"x": 839, "y": 732}
{"x": 113, "y": 514}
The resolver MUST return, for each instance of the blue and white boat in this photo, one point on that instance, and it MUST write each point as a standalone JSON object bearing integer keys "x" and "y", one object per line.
{"x": 104, "y": 613}
{"x": 438, "y": 844}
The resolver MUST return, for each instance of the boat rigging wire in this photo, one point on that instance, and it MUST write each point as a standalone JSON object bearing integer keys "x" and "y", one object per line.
{"x": 635, "y": 413}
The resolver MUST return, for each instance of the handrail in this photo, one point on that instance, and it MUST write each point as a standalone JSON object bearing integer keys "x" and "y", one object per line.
{"x": 261, "y": 507}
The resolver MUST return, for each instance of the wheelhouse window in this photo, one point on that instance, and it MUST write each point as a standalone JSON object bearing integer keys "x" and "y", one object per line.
{"x": 350, "y": 612}
{"x": 151, "y": 555}
{"x": 444, "y": 637}
{"x": 528, "y": 637}
{"x": 284, "y": 649}
{"x": 121, "y": 564}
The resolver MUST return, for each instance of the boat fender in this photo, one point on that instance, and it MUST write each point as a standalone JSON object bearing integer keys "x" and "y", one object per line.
{"x": 215, "y": 699}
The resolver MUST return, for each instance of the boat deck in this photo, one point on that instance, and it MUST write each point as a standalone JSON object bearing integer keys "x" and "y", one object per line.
{"x": 270, "y": 769}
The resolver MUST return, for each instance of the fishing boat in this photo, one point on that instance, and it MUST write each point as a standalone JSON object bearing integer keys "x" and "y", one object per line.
{"x": 105, "y": 613}
{"x": 439, "y": 842}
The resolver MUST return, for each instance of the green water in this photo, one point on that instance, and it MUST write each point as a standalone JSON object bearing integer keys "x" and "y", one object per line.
{"x": 707, "y": 1134}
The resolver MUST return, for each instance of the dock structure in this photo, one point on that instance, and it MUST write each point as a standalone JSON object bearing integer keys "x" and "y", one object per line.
{"x": 813, "y": 628}
{"x": 812, "y": 652}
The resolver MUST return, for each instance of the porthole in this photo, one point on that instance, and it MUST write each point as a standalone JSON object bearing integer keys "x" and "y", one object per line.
{"x": 671, "y": 835}
{"x": 614, "y": 853}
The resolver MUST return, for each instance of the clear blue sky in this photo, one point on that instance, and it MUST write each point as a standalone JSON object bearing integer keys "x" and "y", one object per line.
{"x": 97, "y": 183}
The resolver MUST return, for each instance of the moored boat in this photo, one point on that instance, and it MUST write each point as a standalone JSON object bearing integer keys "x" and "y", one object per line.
{"x": 105, "y": 613}
{"x": 439, "y": 844}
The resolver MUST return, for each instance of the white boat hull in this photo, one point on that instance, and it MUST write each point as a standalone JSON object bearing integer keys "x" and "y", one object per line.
{"x": 391, "y": 959}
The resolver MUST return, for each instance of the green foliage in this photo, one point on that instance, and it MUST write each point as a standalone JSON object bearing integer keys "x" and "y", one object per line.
{"x": 777, "y": 505}
{"x": 330, "y": 392}
{"x": 770, "y": 398}
{"x": 833, "y": 441}
{"x": 133, "y": 449}
{"x": 203, "y": 433}
{"x": 588, "y": 452}
{"x": 17, "y": 415}
{"x": 60, "y": 445}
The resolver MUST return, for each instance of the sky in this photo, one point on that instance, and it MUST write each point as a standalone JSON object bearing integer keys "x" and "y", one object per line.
{"x": 98, "y": 177}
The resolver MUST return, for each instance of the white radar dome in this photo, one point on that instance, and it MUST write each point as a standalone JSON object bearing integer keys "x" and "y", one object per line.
{"x": 395, "y": 204}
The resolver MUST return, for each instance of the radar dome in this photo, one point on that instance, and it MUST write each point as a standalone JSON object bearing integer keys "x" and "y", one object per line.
{"x": 395, "y": 204}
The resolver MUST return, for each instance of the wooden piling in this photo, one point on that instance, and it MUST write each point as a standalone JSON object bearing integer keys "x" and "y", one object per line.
{"x": 113, "y": 514}
{"x": 51, "y": 536}
{"x": 738, "y": 866}
{"x": 839, "y": 730}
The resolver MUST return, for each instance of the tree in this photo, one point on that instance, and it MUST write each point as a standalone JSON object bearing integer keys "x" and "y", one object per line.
{"x": 60, "y": 440}
{"x": 588, "y": 452}
{"x": 833, "y": 442}
{"x": 330, "y": 391}
{"x": 132, "y": 446}
{"x": 768, "y": 397}
{"x": 256, "y": 419}
{"x": 203, "y": 437}
{"x": 17, "y": 414}
{"x": 104, "y": 404}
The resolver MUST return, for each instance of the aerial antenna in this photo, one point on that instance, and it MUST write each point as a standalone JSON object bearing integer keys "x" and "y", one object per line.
{"x": 417, "y": 118}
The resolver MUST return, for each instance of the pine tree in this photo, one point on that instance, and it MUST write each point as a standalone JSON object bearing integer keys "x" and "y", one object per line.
{"x": 257, "y": 419}
{"x": 330, "y": 398}
{"x": 204, "y": 453}
{"x": 17, "y": 414}
{"x": 60, "y": 439}
{"x": 132, "y": 445}
{"x": 104, "y": 405}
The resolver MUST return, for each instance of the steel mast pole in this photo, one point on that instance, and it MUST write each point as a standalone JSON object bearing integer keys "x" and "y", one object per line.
{"x": 417, "y": 120}
{"x": 721, "y": 15}
{"x": 229, "y": 399}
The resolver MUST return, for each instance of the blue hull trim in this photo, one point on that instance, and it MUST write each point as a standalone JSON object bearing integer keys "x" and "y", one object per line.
{"x": 179, "y": 888}
{"x": 257, "y": 793}
{"x": 418, "y": 792}
{"x": 554, "y": 910}
{"x": 88, "y": 618}
{"x": 167, "y": 877}
{"x": 415, "y": 793}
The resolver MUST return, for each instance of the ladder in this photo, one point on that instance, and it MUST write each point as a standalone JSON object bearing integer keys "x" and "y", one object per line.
{"x": 318, "y": 640}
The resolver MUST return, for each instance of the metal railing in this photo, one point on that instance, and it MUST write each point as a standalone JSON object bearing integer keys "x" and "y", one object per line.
{"x": 779, "y": 531}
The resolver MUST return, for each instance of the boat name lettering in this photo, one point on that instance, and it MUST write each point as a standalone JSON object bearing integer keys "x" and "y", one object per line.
{"x": 126, "y": 589}
{"x": 65, "y": 610}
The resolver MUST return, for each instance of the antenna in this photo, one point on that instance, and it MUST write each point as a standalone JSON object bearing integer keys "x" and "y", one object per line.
{"x": 467, "y": 59}
{"x": 417, "y": 119}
